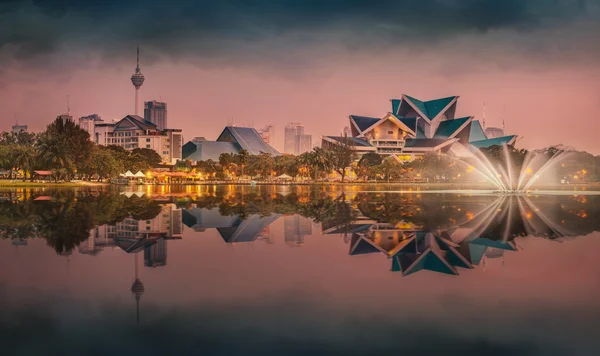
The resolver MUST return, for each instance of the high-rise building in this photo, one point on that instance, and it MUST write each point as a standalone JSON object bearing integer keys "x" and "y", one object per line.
{"x": 88, "y": 123}
{"x": 156, "y": 113}
{"x": 295, "y": 227}
{"x": 137, "y": 79}
{"x": 347, "y": 131}
{"x": 19, "y": 128}
{"x": 267, "y": 133}
{"x": 296, "y": 141}
{"x": 304, "y": 143}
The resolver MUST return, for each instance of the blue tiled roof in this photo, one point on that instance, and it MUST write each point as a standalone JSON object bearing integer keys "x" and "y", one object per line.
{"x": 499, "y": 141}
{"x": 477, "y": 133}
{"x": 482, "y": 241}
{"x": 353, "y": 141}
{"x": 434, "y": 107}
{"x": 248, "y": 139}
{"x": 424, "y": 142}
{"x": 411, "y": 122}
{"x": 448, "y": 128}
{"x": 395, "y": 105}
{"x": 431, "y": 108}
{"x": 364, "y": 122}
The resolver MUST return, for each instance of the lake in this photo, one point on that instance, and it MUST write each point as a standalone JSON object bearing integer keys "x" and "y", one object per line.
{"x": 228, "y": 270}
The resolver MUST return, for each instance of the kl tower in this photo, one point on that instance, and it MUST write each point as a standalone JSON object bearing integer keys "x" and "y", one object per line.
{"x": 137, "y": 79}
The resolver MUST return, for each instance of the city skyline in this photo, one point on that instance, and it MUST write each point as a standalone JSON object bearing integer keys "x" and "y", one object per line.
{"x": 505, "y": 61}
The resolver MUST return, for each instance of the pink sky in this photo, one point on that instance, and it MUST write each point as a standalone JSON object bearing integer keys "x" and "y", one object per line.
{"x": 545, "y": 107}
{"x": 313, "y": 62}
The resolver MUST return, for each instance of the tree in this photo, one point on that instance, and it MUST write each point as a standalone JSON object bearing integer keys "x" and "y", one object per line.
{"x": 147, "y": 155}
{"x": 391, "y": 169}
{"x": 242, "y": 158}
{"x": 24, "y": 158}
{"x": 367, "y": 163}
{"x": 320, "y": 161}
{"x": 342, "y": 156}
{"x": 102, "y": 164}
{"x": 74, "y": 140}
{"x": 227, "y": 162}
{"x": 262, "y": 164}
{"x": 54, "y": 153}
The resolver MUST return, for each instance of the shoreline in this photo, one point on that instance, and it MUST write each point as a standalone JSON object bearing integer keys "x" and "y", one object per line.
{"x": 76, "y": 184}
{"x": 449, "y": 186}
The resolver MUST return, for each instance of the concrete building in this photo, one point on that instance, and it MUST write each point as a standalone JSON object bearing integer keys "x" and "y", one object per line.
{"x": 18, "y": 128}
{"x": 267, "y": 133}
{"x": 156, "y": 113}
{"x": 134, "y": 132}
{"x": 88, "y": 123}
{"x": 295, "y": 140}
{"x": 232, "y": 140}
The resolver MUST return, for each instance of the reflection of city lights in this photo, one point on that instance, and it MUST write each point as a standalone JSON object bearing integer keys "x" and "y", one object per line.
{"x": 528, "y": 215}
{"x": 529, "y": 170}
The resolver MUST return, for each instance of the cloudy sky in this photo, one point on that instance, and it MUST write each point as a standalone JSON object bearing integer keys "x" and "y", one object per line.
{"x": 535, "y": 63}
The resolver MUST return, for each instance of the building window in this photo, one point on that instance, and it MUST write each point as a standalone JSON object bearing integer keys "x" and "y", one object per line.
{"x": 147, "y": 140}
{"x": 390, "y": 132}
{"x": 147, "y": 146}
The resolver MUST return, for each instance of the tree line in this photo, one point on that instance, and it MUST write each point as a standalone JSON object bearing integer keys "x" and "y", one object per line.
{"x": 66, "y": 150}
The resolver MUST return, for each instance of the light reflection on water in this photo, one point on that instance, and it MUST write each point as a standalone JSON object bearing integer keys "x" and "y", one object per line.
{"x": 241, "y": 270}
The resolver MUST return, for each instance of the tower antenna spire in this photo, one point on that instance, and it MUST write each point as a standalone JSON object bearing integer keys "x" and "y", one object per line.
{"x": 483, "y": 115}
{"x": 16, "y": 120}
{"x": 68, "y": 106}
{"x": 138, "y": 59}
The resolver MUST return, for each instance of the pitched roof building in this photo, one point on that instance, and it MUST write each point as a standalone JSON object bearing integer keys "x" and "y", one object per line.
{"x": 232, "y": 140}
{"x": 414, "y": 127}
{"x": 133, "y": 132}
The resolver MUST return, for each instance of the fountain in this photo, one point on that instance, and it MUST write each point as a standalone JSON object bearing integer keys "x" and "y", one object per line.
{"x": 507, "y": 177}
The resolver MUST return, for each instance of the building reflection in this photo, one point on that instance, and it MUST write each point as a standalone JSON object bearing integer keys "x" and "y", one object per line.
{"x": 234, "y": 228}
{"x": 137, "y": 235}
{"x": 295, "y": 227}
{"x": 483, "y": 234}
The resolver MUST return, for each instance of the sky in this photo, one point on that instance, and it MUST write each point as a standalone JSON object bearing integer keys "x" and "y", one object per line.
{"x": 534, "y": 63}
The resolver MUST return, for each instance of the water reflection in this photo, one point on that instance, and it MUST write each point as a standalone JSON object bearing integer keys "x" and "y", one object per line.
{"x": 437, "y": 232}
{"x": 229, "y": 270}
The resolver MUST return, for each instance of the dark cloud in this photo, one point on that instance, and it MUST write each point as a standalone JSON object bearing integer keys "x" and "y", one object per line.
{"x": 222, "y": 31}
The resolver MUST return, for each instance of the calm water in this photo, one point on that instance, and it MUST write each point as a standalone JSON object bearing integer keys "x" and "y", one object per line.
{"x": 296, "y": 271}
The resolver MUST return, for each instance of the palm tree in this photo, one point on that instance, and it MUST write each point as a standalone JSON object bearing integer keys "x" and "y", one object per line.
{"x": 242, "y": 157}
{"x": 305, "y": 160}
{"x": 54, "y": 153}
{"x": 24, "y": 158}
{"x": 321, "y": 159}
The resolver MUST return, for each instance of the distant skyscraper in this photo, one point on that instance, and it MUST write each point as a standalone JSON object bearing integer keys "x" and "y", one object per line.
{"x": 267, "y": 133}
{"x": 66, "y": 116}
{"x": 347, "y": 131}
{"x": 19, "y": 128}
{"x": 304, "y": 143}
{"x": 137, "y": 79}
{"x": 296, "y": 142}
{"x": 88, "y": 123}
{"x": 156, "y": 113}
{"x": 295, "y": 227}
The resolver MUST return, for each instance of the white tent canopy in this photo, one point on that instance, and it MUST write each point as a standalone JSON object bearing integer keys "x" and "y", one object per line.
{"x": 140, "y": 174}
{"x": 284, "y": 176}
{"x": 128, "y": 174}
